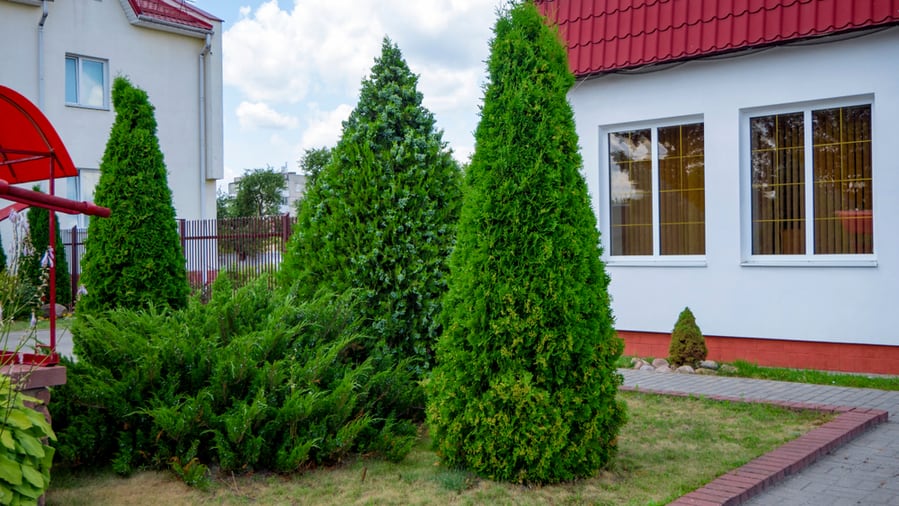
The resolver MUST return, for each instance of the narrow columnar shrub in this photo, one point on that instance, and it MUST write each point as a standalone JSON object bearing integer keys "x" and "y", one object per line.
{"x": 2, "y": 256}
{"x": 250, "y": 381}
{"x": 687, "y": 342}
{"x": 39, "y": 226}
{"x": 379, "y": 217}
{"x": 525, "y": 384}
{"x": 133, "y": 259}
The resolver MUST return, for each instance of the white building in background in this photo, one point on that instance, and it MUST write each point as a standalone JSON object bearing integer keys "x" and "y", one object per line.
{"x": 63, "y": 56}
{"x": 294, "y": 190}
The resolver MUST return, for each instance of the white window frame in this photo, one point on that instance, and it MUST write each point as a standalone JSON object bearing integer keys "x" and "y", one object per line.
{"x": 605, "y": 200}
{"x": 809, "y": 258}
{"x": 79, "y": 60}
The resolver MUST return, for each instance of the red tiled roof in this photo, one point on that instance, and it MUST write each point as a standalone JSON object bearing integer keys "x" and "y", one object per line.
{"x": 609, "y": 35}
{"x": 182, "y": 14}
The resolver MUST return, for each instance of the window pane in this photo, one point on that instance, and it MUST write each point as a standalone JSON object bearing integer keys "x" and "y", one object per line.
{"x": 71, "y": 81}
{"x": 778, "y": 184}
{"x": 682, "y": 190}
{"x": 630, "y": 183}
{"x": 842, "y": 178}
{"x": 92, "y": 77}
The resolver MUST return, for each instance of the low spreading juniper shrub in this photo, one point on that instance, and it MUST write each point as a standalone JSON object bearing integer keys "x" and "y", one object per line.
{"x": 250, "y": 381}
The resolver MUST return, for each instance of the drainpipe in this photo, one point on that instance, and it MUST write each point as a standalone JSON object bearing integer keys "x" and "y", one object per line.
{"x": 207, "y": 46}
{"x": 206, "y": 49}
{"x": 40, "y": 55}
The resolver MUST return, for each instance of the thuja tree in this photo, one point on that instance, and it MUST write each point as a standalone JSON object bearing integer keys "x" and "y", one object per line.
{"x": 379, "y": 216}
{"x": 687, "y": 342}
{"x": 39, "y": 226}
{"x": 133, "y": 258}
{"x": 525, "y": 384}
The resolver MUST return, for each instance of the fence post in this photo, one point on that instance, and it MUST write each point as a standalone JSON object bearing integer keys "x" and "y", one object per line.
{"x": 73, "y": 277}
{"x": 285, "y": 231}
{"x": 181, "y": 235}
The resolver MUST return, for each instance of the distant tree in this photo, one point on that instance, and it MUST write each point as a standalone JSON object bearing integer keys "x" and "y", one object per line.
{"x": 224, "y": 204}
{"x": 39, "y": 226}
{"x": 133, "y": 258}
{"x": 259, "y": 193}
{"x": 380, "y": 216}
{"x": 525, "y": 384}
{"x": 313, "y": 161}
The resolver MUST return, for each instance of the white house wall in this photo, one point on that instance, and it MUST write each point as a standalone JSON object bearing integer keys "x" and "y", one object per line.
{"x": 165, "y": 65}
{"x": 847, "y": 304}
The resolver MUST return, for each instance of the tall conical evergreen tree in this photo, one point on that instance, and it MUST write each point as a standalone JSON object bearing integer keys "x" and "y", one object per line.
{"x": 39, "y": 225}
{"x": 379, "y": 217}
{"x": 525, "y": 384}
{"x": 133, "y": 258}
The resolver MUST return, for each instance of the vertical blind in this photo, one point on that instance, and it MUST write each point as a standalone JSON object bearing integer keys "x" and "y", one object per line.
{"x": 630, "y": 182}
{"x": 841, "y": 208}
{"x": 843, "y": 200}
{"x": 682, "y": 189}
{"x": 680, "y": 166}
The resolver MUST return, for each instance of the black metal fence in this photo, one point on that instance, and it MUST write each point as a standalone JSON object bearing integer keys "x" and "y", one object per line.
{"x": 245, "y": 247}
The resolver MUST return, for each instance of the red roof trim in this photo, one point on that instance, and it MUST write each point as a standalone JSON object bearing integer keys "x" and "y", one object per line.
{"x": 183, "y": 14}
{"x": 620, "y": 34}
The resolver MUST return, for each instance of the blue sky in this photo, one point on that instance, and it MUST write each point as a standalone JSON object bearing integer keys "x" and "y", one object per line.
{"x": 293, "y": 69}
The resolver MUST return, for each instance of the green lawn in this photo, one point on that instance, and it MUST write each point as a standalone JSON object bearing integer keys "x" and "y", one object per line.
{"x": 669, "y": 447}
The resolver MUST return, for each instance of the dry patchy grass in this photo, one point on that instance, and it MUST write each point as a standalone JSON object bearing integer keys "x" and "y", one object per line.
{"x": 669, "y": 447}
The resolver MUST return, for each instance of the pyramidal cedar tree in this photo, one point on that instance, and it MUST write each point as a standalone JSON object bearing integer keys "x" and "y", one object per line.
{"x": 379, "y": 217}
{"x": 525, "y": 384}
{"x": 133, "y": 259}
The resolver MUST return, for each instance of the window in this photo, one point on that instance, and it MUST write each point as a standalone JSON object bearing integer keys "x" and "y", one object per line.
{"x": 667, "y": 221}
{"x": 86, "y": 82}
{"x": 831, "y": 149}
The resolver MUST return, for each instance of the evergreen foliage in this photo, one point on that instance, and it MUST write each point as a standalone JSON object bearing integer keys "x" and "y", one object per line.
{"x": 687, "y": 342}
{"x": 251, "y": 381}
{"x": 379, "y": 217}
{"x": 39, "y": 225}
{"x": 525, "y": 384}
{"x": 2, "y": 256}
{"x": 133, "y": 258}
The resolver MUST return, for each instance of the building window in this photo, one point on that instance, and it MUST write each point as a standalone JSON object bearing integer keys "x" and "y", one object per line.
{"x": 657, "y": 191}
{"x": 86, "y": 82}
{"x": 831, "y": 149}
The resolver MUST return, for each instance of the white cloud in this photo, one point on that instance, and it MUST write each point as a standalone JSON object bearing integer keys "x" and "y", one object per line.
{"x": 297, "y": 69}
{"x": 325, "y": 127}
{"x": 284, "y": 55}
{"x": 260, "y": 115}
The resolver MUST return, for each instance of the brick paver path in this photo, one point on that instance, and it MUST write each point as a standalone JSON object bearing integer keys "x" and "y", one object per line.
{"x": 863, "y": 472}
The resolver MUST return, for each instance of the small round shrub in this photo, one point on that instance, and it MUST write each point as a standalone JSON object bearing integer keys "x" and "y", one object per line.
{"x": 687, "y": 343}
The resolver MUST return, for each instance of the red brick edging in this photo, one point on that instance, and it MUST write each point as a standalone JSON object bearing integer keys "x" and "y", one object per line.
{"x": 743, "y": 483}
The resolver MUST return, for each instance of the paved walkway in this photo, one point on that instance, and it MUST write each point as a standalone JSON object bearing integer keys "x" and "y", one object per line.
{"x": 863, "y": 472}
{"x": 63, "y": 340}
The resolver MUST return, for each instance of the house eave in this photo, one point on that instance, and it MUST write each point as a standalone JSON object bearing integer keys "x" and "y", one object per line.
{"x": 34, "y": 3}
{"x": 158, "y": 24}
{"x": 152, "y": 23}
{"x": 656, "y": 66}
